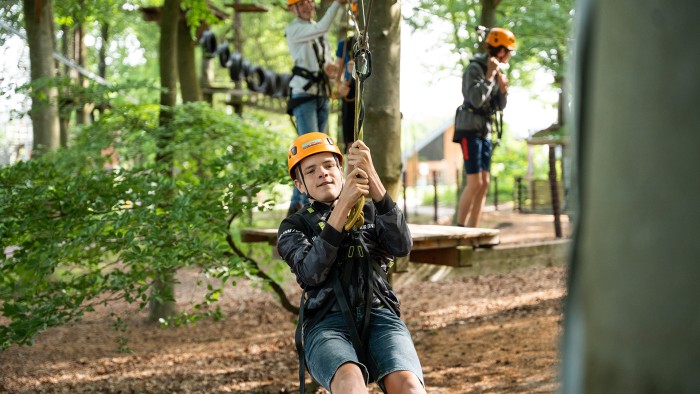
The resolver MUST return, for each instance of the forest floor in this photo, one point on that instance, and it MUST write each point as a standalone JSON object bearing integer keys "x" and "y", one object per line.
{"x": 485, "y": 334}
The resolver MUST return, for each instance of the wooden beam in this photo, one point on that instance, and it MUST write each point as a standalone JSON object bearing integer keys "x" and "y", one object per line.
{"x": 437, "y": 256}
{"x": 500, "y": 259}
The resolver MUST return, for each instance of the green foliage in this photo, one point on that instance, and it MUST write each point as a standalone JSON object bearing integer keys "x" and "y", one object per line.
{"x": 83, "y": 235}
{"x": 197, "y": 12}
{"x": 11, "y": 12}
{"x": 542, "y": 29}
{"x": 509, "y": 158}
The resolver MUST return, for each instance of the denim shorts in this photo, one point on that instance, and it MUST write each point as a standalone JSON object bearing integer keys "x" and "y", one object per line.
{"x": 327, "y": 346}
{"x": 476, "y": 151}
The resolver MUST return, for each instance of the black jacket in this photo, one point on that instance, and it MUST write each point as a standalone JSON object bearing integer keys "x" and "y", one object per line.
{"x": 481, "y": 96}
{"x": 312, "y": 249}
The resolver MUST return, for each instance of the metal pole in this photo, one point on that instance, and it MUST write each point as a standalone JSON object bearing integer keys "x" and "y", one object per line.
{"x": 519, "y": 193}
{"x": 403, "y": 181}
{"x": 554, "y": 189}
{"x": 435, "y": 198}
{"x": 495, "y": 193}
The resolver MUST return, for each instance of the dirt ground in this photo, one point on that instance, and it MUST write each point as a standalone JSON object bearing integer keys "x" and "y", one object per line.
{"x": 486, "y": 334}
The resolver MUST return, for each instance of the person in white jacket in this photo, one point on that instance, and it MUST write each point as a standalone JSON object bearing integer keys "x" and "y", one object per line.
{"x": 314, "y": 65}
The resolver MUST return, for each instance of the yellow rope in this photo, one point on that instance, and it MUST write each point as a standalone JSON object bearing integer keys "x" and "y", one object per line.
{"x": 356, "y": 217}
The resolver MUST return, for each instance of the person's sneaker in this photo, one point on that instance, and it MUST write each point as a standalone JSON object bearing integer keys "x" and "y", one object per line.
{"x": 293, "y": 209}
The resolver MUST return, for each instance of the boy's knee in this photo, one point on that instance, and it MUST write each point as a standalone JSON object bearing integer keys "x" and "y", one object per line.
{"x": 403, "y": 382}
{"x": 347, "y": 378}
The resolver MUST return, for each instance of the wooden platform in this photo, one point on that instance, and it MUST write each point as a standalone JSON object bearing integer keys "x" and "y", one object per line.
{"x": 500, "y": 259}
{"x": 431, "y": 244}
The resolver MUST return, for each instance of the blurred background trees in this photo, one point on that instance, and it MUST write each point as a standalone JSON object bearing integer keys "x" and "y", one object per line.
{"x": 132, "y": 177}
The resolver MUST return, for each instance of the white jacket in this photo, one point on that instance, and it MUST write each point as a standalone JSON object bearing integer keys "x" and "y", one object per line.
{"x": 300, "y": 36}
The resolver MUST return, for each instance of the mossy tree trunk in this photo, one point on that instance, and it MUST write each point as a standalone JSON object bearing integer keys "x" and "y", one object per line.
{"x": 165, "y": 306}
{"x": 382, "y": 127}
{"x": 38, "y": 16}
{"x": 186, "y": 67}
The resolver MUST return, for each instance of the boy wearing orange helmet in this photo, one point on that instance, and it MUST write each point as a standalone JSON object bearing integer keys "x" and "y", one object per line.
{"x": 485, "y": 90}
{"x": 349, "y": 331}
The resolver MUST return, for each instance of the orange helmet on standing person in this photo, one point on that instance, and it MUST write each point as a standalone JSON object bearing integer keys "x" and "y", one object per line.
{"x": 309, "y": 144}
{"x": 499, "y": 37}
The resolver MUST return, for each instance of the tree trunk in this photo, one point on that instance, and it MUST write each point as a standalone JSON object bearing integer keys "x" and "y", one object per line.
{"x": 238, "y": 40}
{"x": 170, "y": 14}
{"x": 382, "y": 127}
{"x": 82, "y": 112}
{"x": 186, "y": 68}
{"x": 631, "y": 323}
{"x": 102, "y": 58}
{"x": 488, "y": 13}
{"x": 207, "y": 75}
{"x": 38, "y": 16}
{"x": 65, "y": 95}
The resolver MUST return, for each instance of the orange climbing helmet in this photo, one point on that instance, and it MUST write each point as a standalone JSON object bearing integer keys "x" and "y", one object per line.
{"x": 499, "y": 37}
{"x": 309, "y": 144}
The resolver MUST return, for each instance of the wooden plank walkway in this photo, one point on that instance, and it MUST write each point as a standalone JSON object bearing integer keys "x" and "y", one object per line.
{"x": 432, "y": 244}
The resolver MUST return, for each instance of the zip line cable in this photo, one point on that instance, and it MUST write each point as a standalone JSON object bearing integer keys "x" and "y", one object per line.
{"x": 60, "y": 58}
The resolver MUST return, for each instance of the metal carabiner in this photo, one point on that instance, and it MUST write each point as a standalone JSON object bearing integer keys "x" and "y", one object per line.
{"x": 363, "y": 64}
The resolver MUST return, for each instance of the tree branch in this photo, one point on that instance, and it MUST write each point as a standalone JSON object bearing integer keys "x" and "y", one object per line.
{"x": 286, "y": 304}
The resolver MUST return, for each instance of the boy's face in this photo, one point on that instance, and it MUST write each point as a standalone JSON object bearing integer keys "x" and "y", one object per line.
{"x": 304, "y": 9}
{"x": 323, "y": 179}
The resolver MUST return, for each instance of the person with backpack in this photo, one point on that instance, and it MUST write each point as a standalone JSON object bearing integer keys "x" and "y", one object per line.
{"x": 312, "y": 54}
{"x": 485, "y": 90}
{"x": 349, "y": 331}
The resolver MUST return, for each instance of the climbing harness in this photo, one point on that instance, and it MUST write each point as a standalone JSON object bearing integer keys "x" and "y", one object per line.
{"x": 353, "y": 255}
{"x": 498, "y": 126}
{"x": 362, "y": 71}
{"x": 318, "y": 78}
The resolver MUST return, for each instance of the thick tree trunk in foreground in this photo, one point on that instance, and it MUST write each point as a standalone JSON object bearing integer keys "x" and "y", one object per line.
{"x": 170, "y": 14}
{"x": 632, "y": 314}
{"x": 382, "y": 127}
{"x": 38, "y": 15}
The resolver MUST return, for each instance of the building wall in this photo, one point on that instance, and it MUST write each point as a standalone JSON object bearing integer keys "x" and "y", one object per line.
{"x": 449, "y": 167}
